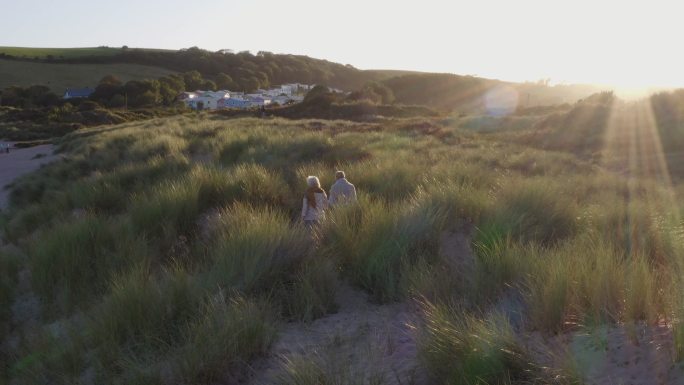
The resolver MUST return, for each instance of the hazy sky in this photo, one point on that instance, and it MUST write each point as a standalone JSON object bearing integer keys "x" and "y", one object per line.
{"x": 630, "y": 43}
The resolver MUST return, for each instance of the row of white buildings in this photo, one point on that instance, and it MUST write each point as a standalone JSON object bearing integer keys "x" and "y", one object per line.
{"x": 213, "y": 100}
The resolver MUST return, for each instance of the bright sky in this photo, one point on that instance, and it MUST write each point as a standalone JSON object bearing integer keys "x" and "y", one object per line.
{"x": 626, "y": 43}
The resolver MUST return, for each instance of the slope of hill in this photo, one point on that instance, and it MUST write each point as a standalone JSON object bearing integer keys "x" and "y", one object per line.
{"x": 59, "y": 76}
{"x": 469, "y": 93}
{"x": 246, "y": 71}
{"x": 62, "y": 53}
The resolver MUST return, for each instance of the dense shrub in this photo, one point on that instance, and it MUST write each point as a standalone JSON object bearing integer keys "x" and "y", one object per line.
{"x": 458, "y": 348}
{"x": 254, "y": 248}
{"x": 377, "y": 242}
{"x": 531, "y": 211}
{"x": 77, "y": 258}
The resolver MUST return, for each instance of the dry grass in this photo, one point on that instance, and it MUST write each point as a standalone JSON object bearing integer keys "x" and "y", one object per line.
{"x": 156, "y": 220}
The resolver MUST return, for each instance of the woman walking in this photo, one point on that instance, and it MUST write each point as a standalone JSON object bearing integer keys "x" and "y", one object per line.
{"x": 314, "y": 203}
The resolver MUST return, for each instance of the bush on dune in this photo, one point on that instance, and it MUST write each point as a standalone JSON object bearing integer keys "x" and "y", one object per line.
{"x": 390, "y": 180}
{"x": 377, "y": 242}
{"x": 273, "y": 149}
{"x": 167, "y": 210}
{"x": 229, "y": 332}
{"x": 587, "y": 281}
{"x": 9, "y": 266}
{"x": 173, "y": 208}
{"x": 312, "y": 292}
{"x": 531, "y": 210}
{"x": 173, "y": 328}
{"x": 142, "y": 312}
{"x": 76, "y": 259}
{"x": 459, "y": 348}
{"x": 253, "y": 248}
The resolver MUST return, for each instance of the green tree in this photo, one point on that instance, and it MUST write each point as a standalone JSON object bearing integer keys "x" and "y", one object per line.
{"x": 117, "y": 101}
{"x": 108, "y": 86}
{"x": 170, "y": 87}
{"x": 249, "y": 84}
{"x": 142, "y": 92}
{"x": 208, "y": 85}
{"x": 225, "y": 82}
{"x": 374, "y": 92}
{"x": 193, "y": 80}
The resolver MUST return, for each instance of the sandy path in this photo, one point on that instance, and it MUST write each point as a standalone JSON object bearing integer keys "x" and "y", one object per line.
{"x": 21, "y": 161}
{"x": 617, "y": 354}
{"x": 361, "y": 341}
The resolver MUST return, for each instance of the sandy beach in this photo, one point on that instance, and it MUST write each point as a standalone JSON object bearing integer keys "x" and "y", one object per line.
{"x": 19, "y": 162}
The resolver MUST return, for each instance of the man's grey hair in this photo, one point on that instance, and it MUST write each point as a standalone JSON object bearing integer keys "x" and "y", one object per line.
{"x": 313, "y": 181}
{"x": 340, "y": 174}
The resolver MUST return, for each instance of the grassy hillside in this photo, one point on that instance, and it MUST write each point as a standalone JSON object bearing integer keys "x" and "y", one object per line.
{"x": 470, "y": 94}
{"x": 61, "y": 53}
{"x": 59, "y": 76}
{"x": 171, "y": 251}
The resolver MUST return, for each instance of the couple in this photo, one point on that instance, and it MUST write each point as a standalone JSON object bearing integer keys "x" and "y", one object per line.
{"x": 315, "y": 201}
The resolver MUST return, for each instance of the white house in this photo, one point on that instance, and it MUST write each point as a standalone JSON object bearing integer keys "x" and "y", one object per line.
{"x": 259, "y": 101}
{"x": 211, "y": 100}
{"x": 186, "y": 95}
{"x": 204, "y": 100}
{"x": 233, "y": 102}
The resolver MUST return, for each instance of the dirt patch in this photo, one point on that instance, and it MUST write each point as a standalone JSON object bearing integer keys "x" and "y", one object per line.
{"x": 635, "y": 354}
{"x": 362, "y": 340}
{"x": 204, "y": 159}
{"x": 206, "y": 223}
{"x": 455, "y": 248}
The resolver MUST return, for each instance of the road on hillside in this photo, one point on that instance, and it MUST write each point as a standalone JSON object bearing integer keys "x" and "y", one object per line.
{"x": 19, "y": 162}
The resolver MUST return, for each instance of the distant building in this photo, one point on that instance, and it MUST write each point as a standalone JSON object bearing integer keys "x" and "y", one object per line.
{"x": 212, "y": 100}
{"x": 233, "y": 103}
{"x": 259, "y": 101}
{"x": 203, "y": 100}
{"x": 186, "y": 95}
{"x": 73, "y": 93}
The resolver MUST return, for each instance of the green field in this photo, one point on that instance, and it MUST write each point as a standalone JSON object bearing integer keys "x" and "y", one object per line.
{"x": 61, "y": 76}
{"x": 61, "y": 53}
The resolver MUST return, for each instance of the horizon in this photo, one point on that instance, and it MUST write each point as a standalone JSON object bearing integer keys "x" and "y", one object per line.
{"x": 609, "y": 44}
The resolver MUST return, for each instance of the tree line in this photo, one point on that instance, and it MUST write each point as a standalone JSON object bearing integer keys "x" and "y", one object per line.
{"x": 114, "y": 93}
{"x": 243, "y": 69}
{"x": 111, "y": 92}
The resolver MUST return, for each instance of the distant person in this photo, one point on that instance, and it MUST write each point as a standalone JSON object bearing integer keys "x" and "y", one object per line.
{"x": 315, "y": 202}
{"x": 342, "y": 192}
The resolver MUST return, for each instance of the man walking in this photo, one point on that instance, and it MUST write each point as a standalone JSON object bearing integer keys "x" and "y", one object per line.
{"x": 342, "y": 192}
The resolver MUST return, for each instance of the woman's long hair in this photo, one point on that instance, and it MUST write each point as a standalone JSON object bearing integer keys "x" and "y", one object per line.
{"x": 314, "y": 187}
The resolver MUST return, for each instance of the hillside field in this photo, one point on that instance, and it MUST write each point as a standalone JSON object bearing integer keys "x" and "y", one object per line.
{"x": 62, "y": 53}
{"x": 59, "y": 76}
{"x": 502, "y": 250}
